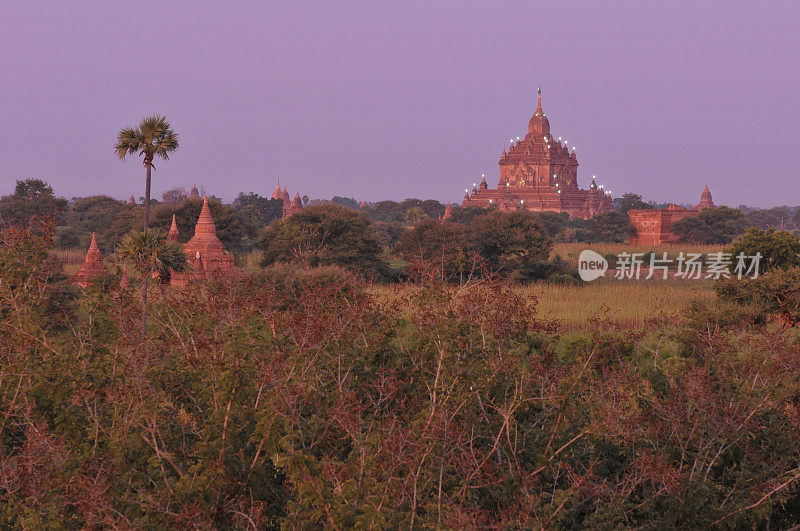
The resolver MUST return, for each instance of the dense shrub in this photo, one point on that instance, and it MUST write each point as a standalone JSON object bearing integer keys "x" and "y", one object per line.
{"x": 778, "y": 249}
{"x": 325, "y": 235}
{"x": 32, "y": 198}
{"x": 442, "y": 245}
{"x": 510, "y": 243}
{"x": 718, "y": 225}
{"x": 109, "y": 218}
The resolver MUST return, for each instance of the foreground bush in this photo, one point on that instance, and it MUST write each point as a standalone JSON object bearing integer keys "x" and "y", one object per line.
{"x": 299, "y": 399}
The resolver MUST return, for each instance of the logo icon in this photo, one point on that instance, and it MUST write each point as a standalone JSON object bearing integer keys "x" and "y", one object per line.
{"x": 591, "y": 265}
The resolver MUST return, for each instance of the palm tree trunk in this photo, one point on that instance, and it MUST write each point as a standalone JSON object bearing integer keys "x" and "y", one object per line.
{"x": 144, "y": 307}
{"x": 148, "y": 164}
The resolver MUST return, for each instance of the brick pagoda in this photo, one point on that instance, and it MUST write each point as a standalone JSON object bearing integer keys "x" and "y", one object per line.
{"x": 539, "y": 173}
{"x": 207, "y": 257}
{"x": 93, "y": 265}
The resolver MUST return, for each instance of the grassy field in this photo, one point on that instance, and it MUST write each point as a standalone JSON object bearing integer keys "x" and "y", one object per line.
{"x": 626, "y": 303}
{"x": 570, "y": 251}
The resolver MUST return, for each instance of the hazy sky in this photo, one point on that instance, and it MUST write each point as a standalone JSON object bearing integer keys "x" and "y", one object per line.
{"x": 388, "y": 100}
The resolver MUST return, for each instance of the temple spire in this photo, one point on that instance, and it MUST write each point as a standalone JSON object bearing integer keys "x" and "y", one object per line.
{"x": 539, "y": 103}
{"x": 93, "y": 246}
{"x": 205, "y": 223}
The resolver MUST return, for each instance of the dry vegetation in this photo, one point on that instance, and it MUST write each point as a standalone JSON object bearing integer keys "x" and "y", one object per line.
{"x": 626, "y": 303}
{"x": 570, "y": 251}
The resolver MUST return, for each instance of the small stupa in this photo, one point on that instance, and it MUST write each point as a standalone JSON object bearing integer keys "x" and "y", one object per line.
{"x": 132, "y": 201}
{"x": 92, "y": 267}
{"x": 207, "y": 257}
{"x": 174, "y": 236}
{"x": 194, "y": 194}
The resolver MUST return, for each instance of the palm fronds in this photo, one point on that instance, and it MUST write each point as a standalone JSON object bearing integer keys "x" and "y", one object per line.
{"x": 148, "y": 251}
{"x": 153, "y": 137}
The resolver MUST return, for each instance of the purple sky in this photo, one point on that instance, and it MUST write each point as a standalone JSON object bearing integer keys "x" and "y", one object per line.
{"x": 388, "y": 100}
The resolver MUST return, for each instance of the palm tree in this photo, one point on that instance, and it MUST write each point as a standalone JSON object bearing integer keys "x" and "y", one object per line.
{"x": 154, "y": 137}
{"x": 149, "y": 252}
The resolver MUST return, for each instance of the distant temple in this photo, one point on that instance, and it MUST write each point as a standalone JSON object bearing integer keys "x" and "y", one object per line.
{"x": 653, "y": 226}
{"x": 194, "y": 194}
{"x": 131, "y": 201}
{"x": 540, "y": 174}
{"x": 207, "y": 257}
{"x": 448, "y": 212}
{"x": 93, "y": 265}
{"x": 290, "y": 206}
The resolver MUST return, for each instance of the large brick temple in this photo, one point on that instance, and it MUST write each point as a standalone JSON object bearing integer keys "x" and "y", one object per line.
{"x": 539, "y": 173}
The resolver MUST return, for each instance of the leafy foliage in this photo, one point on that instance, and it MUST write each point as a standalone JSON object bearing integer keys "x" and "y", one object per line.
{"x": 149, "y": 252}
{"x": 32, "y": 198}
{"x": 775, "y": 292}
{"x": 258, "y": 211}
{"x": 109, "y": 218}
{"x": 440, "y": 244}
{"x": 612, "y": 227}
{"x": 770, "y": 217}
{"x": 324, "y": 235}
{"x": 297, "y": 398}
{"x": 630, "y": 201}
{"x": 778, "y": 249}
{"x": 719, "y": 225}
{"x": 153, "y": 137}
{"x": 175, "y": 195}
{"x": 392, "y": 211}
{"x": 510, "y": 243}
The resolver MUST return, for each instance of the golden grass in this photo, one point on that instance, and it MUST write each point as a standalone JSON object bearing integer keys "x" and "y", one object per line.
{"x": 570, "y": 251}
{"x": 626, "y": 303}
